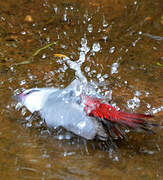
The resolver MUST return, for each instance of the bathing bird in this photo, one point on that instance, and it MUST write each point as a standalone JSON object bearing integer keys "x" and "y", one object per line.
{"x": 82, "y": 111}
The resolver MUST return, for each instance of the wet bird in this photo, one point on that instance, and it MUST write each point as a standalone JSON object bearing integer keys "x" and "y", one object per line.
{"x": 82, "y": 111}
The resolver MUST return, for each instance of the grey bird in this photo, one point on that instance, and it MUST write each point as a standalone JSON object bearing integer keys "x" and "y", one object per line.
{"x": 82, "y": 111}
{"x": 63, "y": 108}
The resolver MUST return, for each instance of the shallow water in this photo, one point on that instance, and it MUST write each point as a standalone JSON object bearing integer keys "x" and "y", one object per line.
{"x": 119, "y": 46}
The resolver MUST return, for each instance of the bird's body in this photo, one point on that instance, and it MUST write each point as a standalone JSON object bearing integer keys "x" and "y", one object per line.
{"x": 81, "y": 112}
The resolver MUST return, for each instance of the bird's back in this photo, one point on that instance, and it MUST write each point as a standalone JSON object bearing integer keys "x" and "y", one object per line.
{"x": 64, "y": 109}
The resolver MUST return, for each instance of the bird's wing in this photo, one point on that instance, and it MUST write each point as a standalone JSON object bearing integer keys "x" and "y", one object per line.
{"x": 114, "y": 119}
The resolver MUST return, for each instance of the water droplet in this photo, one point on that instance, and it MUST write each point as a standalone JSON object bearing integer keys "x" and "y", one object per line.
{"x": 96, "y": 47}
{"x": 87, "y": 69}
{"x": 112, "y": 49}
{"x": 114, "y": 68}
{"x": 90, "y": 28}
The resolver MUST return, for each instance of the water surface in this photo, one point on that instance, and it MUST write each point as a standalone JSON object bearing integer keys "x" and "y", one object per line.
{"x": 119, "y": 46}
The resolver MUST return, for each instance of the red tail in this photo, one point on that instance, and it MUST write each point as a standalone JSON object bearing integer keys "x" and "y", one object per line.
{"x": 114, "y": 119}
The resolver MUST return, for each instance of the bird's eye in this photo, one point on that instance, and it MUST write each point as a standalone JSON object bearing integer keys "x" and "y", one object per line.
{"x": 31, "y": 91}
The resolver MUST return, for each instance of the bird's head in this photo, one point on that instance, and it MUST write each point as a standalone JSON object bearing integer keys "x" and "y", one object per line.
{"x": 34, "y": 99}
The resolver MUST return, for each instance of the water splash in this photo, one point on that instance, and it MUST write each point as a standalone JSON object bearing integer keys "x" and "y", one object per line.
{"x": 77, "y": 68}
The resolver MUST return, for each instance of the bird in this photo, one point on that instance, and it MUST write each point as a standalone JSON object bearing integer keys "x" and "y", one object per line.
{"x": 82, "y": 111}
